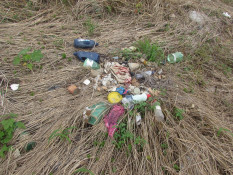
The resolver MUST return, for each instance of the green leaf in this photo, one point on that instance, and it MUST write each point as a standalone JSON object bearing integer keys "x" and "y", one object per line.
{"x": 27, "y": 58}
{"x": 20, "y": 125}
{"x": 13, "y": 115}
{"x": 63, "y": 55}
{"x": 24, "y": 51}
{"x": 2, "y": 150}
{"x": 222, "y": 129}
{"x": 17, "y": 60}
{"x": 53, "y": 134}
{"x": 29, "y": 66}
{"x": 36, "y": 55}
{"x": 83, "y": 170}
{"x": 7, "y": 139}
{"x": 1, "y": 134}
{"x": 7, "y": 123}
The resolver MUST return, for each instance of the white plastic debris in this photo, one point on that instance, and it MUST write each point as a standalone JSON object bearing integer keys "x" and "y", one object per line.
{"x": 132, "y": 48}
{"x": 138, "y": 119}
{"x": 226, "y": 14}
{"x": 87, "y": 82}
{"x": 136, "y": 91}
{"x": 15, "y": 87}
{"x": 116, "y": 58}
{"x": 197, "y": 17}
{"x": 112, "y": 89}
{"x": 108, "y": 80}
{"x": 107, "y": 67}
{"x": 96, "y": 82}
{"x": 160, "y": 71}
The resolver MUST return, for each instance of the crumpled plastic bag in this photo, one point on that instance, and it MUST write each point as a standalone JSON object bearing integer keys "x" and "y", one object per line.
{"x": 111, "y": 118}
{"x": 121, "y": 73}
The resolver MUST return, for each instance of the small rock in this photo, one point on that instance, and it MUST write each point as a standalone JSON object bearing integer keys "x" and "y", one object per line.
{"x": 133, "y": 66}
{"x": 172, "y": 15}
{"x": 160, "y": 77}
{"x": 16, "y": 153}
{"x": 193, "y": 106}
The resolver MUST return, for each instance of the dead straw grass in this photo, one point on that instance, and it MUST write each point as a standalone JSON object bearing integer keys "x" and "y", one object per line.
{"x": 193, "y": 143}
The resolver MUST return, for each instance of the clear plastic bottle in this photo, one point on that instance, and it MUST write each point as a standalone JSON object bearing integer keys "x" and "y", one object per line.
{"x": 158, "y": 113}
{"x": 128, "y": 102}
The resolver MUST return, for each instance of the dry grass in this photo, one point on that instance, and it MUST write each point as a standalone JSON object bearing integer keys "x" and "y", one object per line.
{"x": 192, "y": 143}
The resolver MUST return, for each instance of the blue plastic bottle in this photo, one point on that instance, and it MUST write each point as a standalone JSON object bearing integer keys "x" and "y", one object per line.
{"x": 84, "y": 43}
{"x": 82, "y": 56}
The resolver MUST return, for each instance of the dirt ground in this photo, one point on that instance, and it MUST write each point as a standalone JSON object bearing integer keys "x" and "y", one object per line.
{"x": 201, "y": 85}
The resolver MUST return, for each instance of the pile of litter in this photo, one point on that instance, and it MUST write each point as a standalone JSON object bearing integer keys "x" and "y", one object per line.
{"x": 126, "y": 83}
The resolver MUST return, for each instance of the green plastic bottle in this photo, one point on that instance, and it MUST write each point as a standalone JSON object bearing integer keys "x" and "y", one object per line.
{"x": 175, "y": 57}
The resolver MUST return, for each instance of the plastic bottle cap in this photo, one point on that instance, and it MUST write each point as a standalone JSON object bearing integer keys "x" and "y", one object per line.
{"x": 148, "y": 96}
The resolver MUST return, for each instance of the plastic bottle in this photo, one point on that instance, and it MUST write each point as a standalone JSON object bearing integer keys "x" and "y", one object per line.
{"x": 158, "y": 112}
{"x": 84, "y": 43}
{"x": 175, "y": 57}
{"x": 128, "y": 102}
{"x": 143, "y": 75}
{"x": 140, "y": 98}
{"x": 82, "y": 56}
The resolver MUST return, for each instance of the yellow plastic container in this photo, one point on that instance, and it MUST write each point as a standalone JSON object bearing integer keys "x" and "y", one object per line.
{"x": 114, "y": 97}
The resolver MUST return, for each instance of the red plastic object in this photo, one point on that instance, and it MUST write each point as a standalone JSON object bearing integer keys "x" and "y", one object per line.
{"x": 110, "y": 120}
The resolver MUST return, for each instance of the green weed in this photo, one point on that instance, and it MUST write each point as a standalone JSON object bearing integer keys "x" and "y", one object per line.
{"x": 188, "y": 90}
{"x": 128, "y": 54}
{"x": 27, "y": 58}
{"x": 58, "y": 43}
{"x": 123, "y": 136}
{"x": 62, "y": 134}
{"x": 63, "y": 55}
{"x": 90, "y": 26}
{"x": 176, "y": 167}
{"x": 83, "y": 170}
{"x": 143, "y": 106}
{"x": 223, "y": 129}
{"x": 152, "y": 51}
{"x": 179, "y": 114}
{"x": 8, "y": 125}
